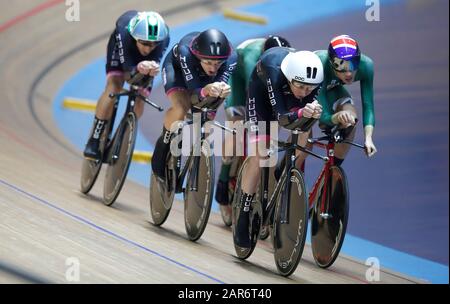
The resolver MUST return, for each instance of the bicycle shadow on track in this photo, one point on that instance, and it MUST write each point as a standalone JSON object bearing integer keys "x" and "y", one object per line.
{"x": 168, "y": 233}
{"x": 259, "y": 269}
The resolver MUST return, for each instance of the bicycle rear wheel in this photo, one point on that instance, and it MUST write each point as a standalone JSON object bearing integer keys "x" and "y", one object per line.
{"x": 120, "y": 155}
{"x": 91, "y": 168}
{"x": 255, "y": 217}
{"x": 329, "y": 225}
{"x": 162, "y": 195}
{"x": 290, "y": 223}
{"x": 197, "y": 203}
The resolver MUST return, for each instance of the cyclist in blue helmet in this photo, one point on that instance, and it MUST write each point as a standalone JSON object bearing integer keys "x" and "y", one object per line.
{"x": 344, "y": 64}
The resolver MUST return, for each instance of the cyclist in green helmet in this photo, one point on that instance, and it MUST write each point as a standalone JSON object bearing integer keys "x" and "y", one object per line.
{"x": 135, "y": 48}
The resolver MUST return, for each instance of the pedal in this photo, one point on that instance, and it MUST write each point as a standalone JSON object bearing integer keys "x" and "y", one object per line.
{"x": 91, "y": 159}
{"x": 326, "y": 216}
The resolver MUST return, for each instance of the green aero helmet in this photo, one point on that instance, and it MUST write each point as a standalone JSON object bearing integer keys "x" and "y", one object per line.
{"x": 148, "y": 26}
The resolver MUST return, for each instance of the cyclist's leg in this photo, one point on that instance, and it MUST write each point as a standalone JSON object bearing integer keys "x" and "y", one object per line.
{"x": 343, "y": 102}
{"x": 180, "y": 105}
{"x": 104, "y": 108}
{"x": 303, "y": 141}
{"x": 235, "y": 111}
{"x": 258, "y": 117}
{"x": 115, "y": 81}
{"x": 258, "y": 136}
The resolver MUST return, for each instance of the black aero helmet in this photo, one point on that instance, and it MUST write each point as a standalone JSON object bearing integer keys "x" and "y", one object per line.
{"x": 211, "y": 44}
{"x": 273, "y": 41}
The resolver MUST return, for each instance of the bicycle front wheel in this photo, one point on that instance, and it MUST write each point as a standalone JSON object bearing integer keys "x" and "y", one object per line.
{"x": 120, "y": 155}
{"x": 290, "y": 223}
{"x": 329, "y": 221}
{"x": 197, "y": 202}
{"x": 89, "y": 172}
{"x": 162, "y": 194}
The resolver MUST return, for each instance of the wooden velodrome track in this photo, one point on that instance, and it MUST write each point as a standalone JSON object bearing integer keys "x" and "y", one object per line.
{"x": 44, "y": 219}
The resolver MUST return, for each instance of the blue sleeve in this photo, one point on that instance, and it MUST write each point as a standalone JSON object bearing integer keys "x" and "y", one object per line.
{"x": 227, "y": 69}
{"x": 124, "y": 42}
{"x": 188, "y": 65}
{"x": 274, "y": 90}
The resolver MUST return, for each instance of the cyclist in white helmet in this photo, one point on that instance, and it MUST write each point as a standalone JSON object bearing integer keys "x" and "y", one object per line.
{"x": 135, "y": 47}
{"x": 283, "y": 87}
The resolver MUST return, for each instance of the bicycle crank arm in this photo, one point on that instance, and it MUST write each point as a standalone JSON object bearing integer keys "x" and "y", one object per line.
{"x": 233, "y": 131}
{"x": 160, "y": 109}
{"x": 124, "y": 93}
{"x": 324, "y": 158}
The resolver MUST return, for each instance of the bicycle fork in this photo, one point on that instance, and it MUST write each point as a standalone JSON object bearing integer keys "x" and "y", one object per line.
{"x": 323, "y": 184}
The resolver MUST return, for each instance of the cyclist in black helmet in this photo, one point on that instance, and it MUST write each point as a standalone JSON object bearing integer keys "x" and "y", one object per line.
{"x": 197, "y": 68}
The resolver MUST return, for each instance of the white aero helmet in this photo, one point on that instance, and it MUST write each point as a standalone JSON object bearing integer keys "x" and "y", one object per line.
{"x": 303, "y": 66}
{"x": 148, "y": 26}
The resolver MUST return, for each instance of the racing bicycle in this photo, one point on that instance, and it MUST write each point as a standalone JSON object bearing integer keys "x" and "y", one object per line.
{"x": 116, "y": 149}
{"x": 192, "y": 175}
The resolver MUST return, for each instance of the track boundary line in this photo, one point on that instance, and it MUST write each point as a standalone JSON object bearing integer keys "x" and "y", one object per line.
{"x": 108, "y": 232}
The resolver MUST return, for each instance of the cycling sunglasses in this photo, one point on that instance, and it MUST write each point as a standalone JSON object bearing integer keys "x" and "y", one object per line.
{"x": 301, "y": 85}
{"x": 149, "y": 43}
{"x": 212, "y": 61}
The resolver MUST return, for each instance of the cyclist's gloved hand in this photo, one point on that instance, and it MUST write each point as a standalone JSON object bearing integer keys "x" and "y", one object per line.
{"x": 311, "y": 110}
{"x": 345, "y": 118}
{"x": 226, "y": 90}
{"x": 150, "y": 68}
{"x": 370, "y": 147}
{"x": 212, "y": 90}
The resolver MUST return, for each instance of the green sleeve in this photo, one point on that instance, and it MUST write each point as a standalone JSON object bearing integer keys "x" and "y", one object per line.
{"x": 367, "y": 91}
{"x": 327, "y": 109}
{"x": 250, "y": 58}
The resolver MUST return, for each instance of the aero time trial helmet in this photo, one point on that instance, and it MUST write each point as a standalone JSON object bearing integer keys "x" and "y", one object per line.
{"x": 211, "y": 44}
{"x": 344, "y": 53}
{"x": 304, "y": 67}
{"x": 274, "y": 41}
{"x": 148, "y": 26}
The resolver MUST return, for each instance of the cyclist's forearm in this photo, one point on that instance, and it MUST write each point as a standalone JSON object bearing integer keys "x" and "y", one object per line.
{"x": 327, "y": 112}
{"x": 368, "y": 131}
{"x": 333, "y": 119}
{"x": 128, "y": 75}
{"x": 326, "y": 119}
